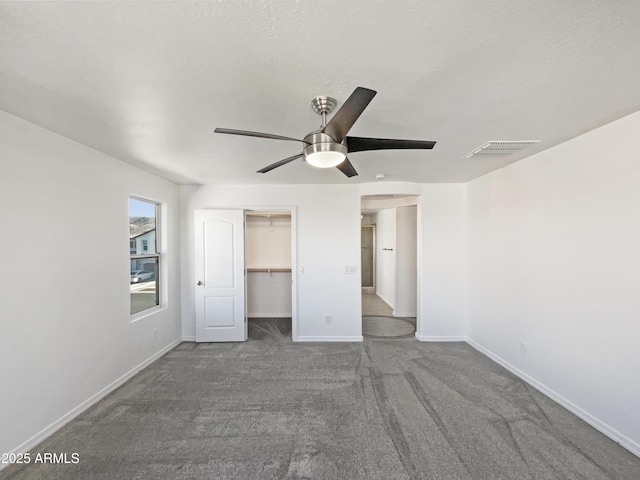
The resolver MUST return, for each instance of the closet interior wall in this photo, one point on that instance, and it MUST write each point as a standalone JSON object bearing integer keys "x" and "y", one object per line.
{"x": 268, "y": 263}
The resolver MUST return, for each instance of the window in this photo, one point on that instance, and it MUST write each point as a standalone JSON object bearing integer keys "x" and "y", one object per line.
{"x": 144, "y": 253}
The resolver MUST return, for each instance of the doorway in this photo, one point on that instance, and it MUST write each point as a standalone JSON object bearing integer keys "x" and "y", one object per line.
{"x": 268, "y": 275}
{"x": 389, "y": 304}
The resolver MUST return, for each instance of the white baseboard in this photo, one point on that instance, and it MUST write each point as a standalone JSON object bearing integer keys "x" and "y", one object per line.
{"x": 354, "y": 338}
{"x": 269, "y": 315}
{"x": 432, "y": 338}
{"x": 596, "y": 423}
{"x": 73, "y": 413}
{"x": 188, "y": 338}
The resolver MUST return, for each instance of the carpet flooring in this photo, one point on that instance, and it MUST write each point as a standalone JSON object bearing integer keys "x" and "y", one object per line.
{"x": 382, "y": 409}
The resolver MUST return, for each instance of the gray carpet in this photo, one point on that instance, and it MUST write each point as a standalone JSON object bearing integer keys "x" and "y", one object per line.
{"x": 382, "y": 409}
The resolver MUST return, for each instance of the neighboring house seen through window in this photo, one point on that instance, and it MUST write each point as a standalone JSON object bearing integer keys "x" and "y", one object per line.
{"x": 144, "y": 253}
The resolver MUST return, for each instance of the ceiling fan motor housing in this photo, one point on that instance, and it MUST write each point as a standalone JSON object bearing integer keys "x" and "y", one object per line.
{"x": 323, "y": 151}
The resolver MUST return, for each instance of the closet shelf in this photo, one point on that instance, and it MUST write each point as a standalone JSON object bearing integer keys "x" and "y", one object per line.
{"x": 270, "y": 270}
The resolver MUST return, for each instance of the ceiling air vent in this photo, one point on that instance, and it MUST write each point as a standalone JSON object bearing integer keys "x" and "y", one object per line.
{"x": 501, "y": 148}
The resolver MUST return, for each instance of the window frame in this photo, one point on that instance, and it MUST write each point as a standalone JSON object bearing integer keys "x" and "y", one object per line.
{"x": 158, "y": 255}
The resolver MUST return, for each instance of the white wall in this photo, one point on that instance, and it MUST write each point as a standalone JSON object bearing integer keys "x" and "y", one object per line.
{"x": 269, "y": 295}
{"x": 66, "y": 334}
{"x": 396, "y": 258}
{"x": 328, "y": 239}
{"x": 406, "y": 262}
{"x": 442, "y": 262}
{"x": 267, "y": 242}
{"x": 385, "y": 221}
{"x": 554, "y": 264}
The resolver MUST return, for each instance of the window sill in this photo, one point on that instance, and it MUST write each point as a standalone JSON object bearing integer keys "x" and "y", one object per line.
{"x": 147, "y": 313}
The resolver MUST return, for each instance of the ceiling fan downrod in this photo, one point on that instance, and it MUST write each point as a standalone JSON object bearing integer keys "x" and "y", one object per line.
{"x": 323, "y": 106}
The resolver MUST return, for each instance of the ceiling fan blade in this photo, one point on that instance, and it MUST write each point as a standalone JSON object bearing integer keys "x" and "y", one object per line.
{"x": 346, "y": 116}
{"x": 255, "y": 134}
{"x": 346, "y": 168}
{"x": 360, "y": 144}
{"x": 279, "y": 163}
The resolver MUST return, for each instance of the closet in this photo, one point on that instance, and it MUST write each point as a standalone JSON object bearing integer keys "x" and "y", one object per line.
{"x": 268, "y": 264}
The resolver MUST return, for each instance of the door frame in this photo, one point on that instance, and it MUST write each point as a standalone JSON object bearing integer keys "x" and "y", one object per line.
{"x": 393, "y": 200}
{"x": 371, "y": 289}
{"x": 288, "y": 209}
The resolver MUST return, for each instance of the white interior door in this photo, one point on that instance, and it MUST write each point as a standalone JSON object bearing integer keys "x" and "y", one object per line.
{"x": 220, "y": 278}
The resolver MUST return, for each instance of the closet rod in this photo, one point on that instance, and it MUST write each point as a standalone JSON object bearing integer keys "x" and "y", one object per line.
{"x": 269, "y": 270}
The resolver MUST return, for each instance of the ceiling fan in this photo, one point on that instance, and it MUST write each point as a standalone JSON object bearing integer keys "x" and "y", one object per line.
{"x": 328, "y": 147}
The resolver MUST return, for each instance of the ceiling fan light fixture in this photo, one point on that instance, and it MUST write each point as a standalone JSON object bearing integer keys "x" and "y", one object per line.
{"x": 325, "y": 155}
{"x": 328, "y": 146}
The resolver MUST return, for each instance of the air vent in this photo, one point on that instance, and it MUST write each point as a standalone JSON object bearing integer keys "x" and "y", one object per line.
{"x": 501, "y": 148}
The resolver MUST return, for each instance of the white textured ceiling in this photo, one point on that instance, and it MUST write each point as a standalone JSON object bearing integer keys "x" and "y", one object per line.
{"x": 147, "y": 82}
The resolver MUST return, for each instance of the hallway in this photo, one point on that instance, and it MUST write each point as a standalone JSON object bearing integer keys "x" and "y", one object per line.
{"x": 374, "y": 305}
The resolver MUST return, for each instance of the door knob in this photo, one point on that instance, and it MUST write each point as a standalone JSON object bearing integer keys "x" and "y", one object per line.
{"x": 200, "y": 283}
